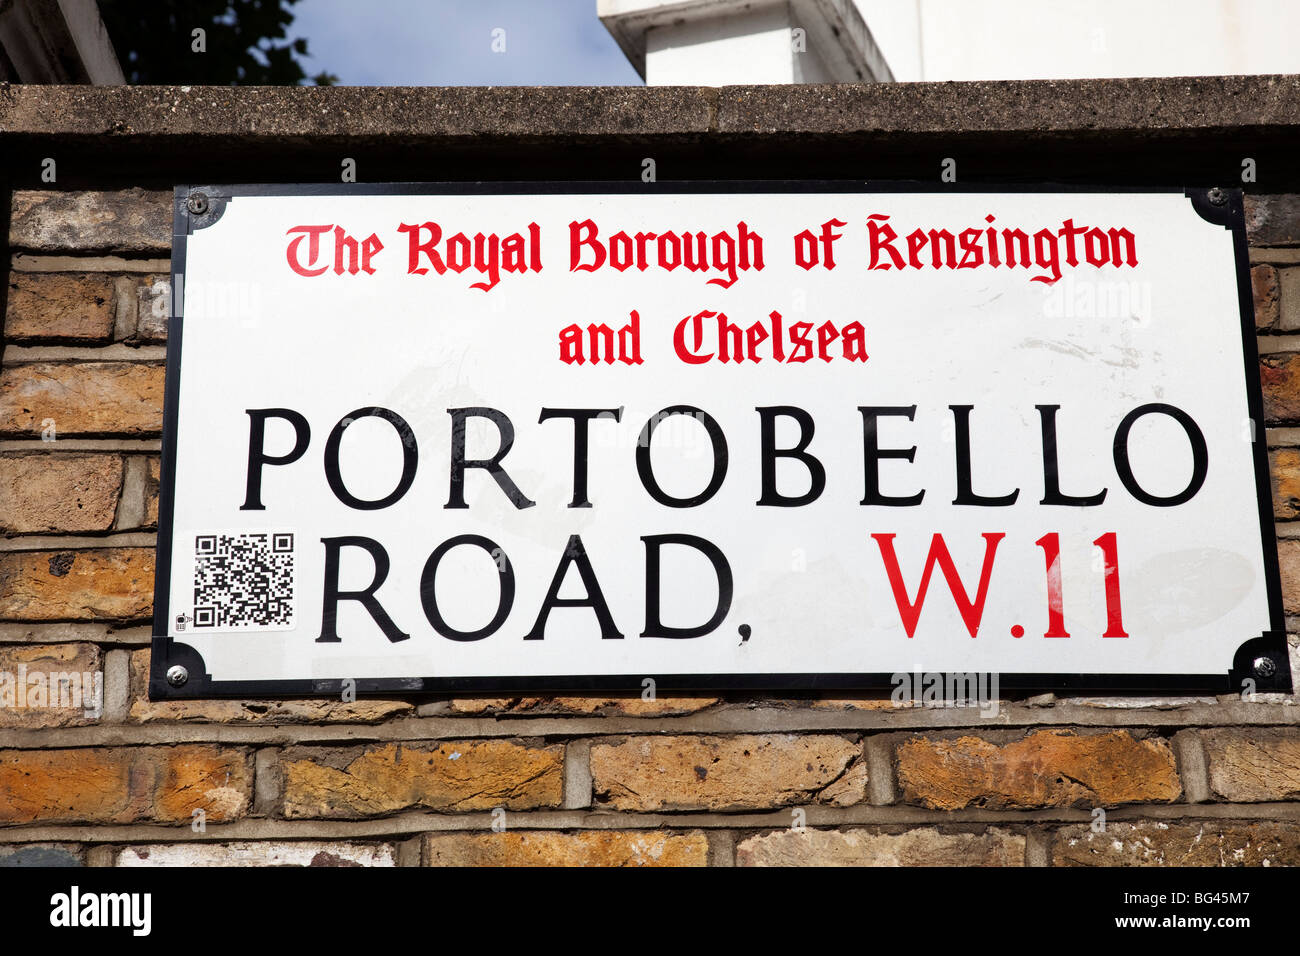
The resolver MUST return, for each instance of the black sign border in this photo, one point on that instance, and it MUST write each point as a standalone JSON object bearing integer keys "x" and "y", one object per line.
{"x": 1260, "y": 664}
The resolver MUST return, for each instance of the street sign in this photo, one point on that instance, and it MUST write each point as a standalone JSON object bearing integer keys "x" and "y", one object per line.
{"x": 804, "y": 436}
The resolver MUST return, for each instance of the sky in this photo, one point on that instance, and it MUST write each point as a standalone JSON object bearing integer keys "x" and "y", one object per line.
{"x": 450, "y": 43}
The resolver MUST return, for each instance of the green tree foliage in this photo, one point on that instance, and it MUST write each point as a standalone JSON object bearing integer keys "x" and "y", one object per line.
{"x": 245, "y": 42}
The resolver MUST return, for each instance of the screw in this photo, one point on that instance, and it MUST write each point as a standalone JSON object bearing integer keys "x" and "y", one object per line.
{"x": 1217, "y": 196}
{"x": 197, "y": 204}
{"x": 177, "y": 675}
{"x": 1264, "y": 667}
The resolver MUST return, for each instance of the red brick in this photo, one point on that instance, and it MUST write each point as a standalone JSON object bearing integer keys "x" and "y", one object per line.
{"x": 1280, "y": 378}
{"x": 1273, "y": 220}
{"x": 44, "y": 493}
{"x": 123, "y": 785}
{"x": 1253, "y": 766}
{"x": 1263, "y": 285}
{"x": 718, "y": 773}
{"x": 216, "y": 781}
{"x": 455, "y": 776}
{"x": 153, "y": 301}
{"x": 1284, "y": 463}
{"x": 1050, "y": 768}
{"x": 151, "y": 493}
{"x": 85, "y": 398}
{"x": 64, "y": 694}
{"x": 313, "y": 853}
{"x": 1288, "y": 556}
{"x": 1212, "y": 843}
{"x": 551, "y": 848}
{"x": 59, "y": 307}
{"x": 96, "y": 584}
{"x": 920, "y": 847}
{"x": 129, "y": 220}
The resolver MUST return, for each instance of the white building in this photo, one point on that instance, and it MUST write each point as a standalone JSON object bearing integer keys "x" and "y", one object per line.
{"x": 719, "y": 42}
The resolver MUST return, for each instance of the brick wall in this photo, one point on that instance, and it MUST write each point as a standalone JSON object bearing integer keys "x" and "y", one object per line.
{"x": 696, "y": 781}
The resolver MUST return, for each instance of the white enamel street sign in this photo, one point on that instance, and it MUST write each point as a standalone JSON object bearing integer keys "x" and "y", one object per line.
{"x": 772, "y": 435}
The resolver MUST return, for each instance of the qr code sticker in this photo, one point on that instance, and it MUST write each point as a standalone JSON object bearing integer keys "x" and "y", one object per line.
{"x": 243, "y": 582}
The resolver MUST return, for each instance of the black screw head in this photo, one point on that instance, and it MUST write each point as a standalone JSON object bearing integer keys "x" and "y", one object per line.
{"x": 197, "y": 204}
{"x": 1217, "y": 196}
{"x": 1264, "y": 667}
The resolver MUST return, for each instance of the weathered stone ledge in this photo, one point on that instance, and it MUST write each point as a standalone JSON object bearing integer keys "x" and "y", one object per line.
{"x": 816, "y": 816}
{"x": 411, "y": 114}
{"x": 728, "y": 719}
